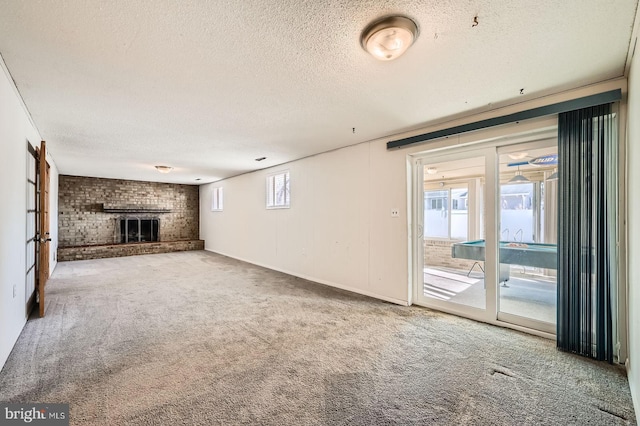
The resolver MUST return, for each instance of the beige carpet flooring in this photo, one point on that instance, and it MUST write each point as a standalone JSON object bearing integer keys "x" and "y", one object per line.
{"x": 195, "y": 338}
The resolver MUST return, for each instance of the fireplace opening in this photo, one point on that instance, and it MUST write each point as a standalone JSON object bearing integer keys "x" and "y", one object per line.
{"x": 136, "y": 230}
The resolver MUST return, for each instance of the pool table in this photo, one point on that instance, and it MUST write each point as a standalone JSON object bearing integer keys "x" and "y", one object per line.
{"x": 527, "y": 254}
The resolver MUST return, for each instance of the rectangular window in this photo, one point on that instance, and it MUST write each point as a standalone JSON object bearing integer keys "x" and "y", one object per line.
{"x": 278, "y": 191}
{"x": 436, "y": 216}
{"x": 447, "y": 213}
{"x": 459, "y": 213}
{"x": 517, "y": 212}
{"x": 216, "y": 199}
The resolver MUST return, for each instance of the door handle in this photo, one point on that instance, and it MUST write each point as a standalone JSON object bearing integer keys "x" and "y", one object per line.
{"x": 41, "y": 240}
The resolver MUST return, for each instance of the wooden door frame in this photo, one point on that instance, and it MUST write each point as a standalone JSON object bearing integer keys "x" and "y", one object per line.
{"x": 42, "y": 233}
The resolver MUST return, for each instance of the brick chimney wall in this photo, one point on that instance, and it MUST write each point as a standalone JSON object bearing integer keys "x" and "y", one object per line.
{"x": 82, "y": 221}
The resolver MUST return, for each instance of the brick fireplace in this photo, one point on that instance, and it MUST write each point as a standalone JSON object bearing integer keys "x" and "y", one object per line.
{"x": 112, "y": 218}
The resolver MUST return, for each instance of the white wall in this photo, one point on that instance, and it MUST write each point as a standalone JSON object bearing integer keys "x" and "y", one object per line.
{"x": 633, "y": 160}
{"x": 339, "y": 229}
{"x": 15, "y": 130}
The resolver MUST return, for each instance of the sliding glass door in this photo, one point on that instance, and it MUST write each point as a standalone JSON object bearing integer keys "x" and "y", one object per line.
{"x": 528, "y": 212}
{"x": 487, "y": 231}
{"x": 452, "y": 232}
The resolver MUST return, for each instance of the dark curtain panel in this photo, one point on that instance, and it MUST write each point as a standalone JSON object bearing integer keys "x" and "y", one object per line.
{"x": 587, "y": 231}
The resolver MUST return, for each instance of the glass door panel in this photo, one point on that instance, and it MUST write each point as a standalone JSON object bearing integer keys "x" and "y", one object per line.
{"x": 528, "y": 235}
{"x": 453, "y": 229}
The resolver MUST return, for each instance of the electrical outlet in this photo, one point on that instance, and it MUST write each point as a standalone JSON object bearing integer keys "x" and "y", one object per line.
{"x": 395, "y": 213}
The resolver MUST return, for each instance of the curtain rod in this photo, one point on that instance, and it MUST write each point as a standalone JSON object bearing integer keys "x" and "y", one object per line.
{"x": 557, "y": 108}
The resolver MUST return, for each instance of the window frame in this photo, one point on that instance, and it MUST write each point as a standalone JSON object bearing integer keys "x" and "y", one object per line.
{"x": 271, "y": 191}
{"x": 217, "y": 199}
{"x": 449, "y": 188}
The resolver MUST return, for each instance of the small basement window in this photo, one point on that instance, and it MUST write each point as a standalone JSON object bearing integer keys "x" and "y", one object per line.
{"x": 278, "y": 190}
{"x": 216, "y": 199}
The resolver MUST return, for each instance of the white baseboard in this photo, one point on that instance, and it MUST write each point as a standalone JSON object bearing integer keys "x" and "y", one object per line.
{"x": 318, "y": 280}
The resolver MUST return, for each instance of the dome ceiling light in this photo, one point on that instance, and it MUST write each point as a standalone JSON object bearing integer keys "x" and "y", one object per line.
{"x": 389, "y": 37}
{"x": 164, "y": 169}
{"x": 518, "y": 155}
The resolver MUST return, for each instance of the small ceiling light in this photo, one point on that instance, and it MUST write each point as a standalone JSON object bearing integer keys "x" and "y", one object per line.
{"x": 389, "y": 37}
{"x": 164, "y": 169}
{"x": 518, "y": 155}
{"x": 432, "y": 170}
{"x": 519, "y": 177}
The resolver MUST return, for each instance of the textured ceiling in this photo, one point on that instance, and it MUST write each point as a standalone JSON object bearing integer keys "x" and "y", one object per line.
{"x": 208, "y": 86}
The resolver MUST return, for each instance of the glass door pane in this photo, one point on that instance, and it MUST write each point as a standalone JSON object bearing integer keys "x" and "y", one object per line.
{"x": 145, "y": 230}
{"x": 452, "y": 243}
{"x": 528, "y": 235}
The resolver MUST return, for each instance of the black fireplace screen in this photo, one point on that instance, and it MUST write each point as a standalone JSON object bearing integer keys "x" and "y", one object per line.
{"x": 135, "y": 230}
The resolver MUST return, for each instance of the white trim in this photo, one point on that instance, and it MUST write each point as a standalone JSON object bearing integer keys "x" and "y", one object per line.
{"x": 528, "y": 323}
{"x": 621, "y": 347}
{"x": 481, "y": 318}
{"x": 412, "y": 218}
{"x": 491, "y": 232}
{"x": 415, "y": 218}
{"x": 317, "y": 280}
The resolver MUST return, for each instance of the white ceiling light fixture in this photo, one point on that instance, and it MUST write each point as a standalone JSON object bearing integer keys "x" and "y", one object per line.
{"x": 164, "y": 169}
{"x": 388, "y": 38}
{"x": 518, "y": 155}
{"x": 519, "y": 177}
{"x": 432, "y": 170}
